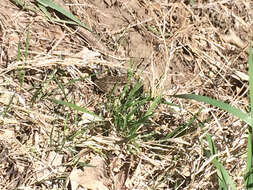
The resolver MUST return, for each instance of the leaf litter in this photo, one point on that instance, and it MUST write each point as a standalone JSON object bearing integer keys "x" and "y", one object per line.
{"x": 177, "y": 47}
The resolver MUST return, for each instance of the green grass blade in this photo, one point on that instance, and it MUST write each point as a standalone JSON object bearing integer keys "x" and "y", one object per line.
{"x": 44, "y": 10}
{"x": 52, "y": 5}
{"x": 21, "y": 73}
{"x": 76, "y": 107}
{"x": 19, "y": 52}
{"x": 27, "y": 44}
{"x": 249, "y": 166}
{"x": 48, "y": 15}
{"x": 225, "y": 181}
{"x": 249, "y": 169}
{"x": 19, "y": 3}
{"x": 41, "y": 88}
{"x": 153, "y": 105}
{"x": 7, "y": 108}
{"x": 184, "y": 129}
{"x": 224, "y": 106}
{"x": 211, "y": 145}
{"x": 250, "y": 62}
{"x": 61, "y": 87}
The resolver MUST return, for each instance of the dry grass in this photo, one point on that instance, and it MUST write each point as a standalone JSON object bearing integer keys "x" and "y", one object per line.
{"x": 178, "y": 47}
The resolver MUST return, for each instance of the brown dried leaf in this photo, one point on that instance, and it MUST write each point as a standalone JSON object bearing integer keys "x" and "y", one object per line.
{"x": 92, "y": 177}
{"x": 234, "y": 39}
{"x": 53, "y": 160}
{"x": 119, "y": 180}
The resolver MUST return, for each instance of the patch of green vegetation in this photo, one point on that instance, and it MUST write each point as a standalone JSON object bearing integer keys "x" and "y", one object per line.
{"x": 131, "y": 110}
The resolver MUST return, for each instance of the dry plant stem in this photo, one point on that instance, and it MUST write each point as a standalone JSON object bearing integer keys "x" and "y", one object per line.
{"x": 167, "y": 53}
{"x": 93, "y": 41}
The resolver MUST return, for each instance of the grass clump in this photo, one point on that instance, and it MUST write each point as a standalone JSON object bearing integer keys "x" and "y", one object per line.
{"x": 131, "y": 110}
{"x": 127, "y": 113}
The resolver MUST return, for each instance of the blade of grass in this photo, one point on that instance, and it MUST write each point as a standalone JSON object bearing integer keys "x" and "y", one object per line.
{"x": 134, "y": 128}
{"x": 20, "y": 74}
{"x": 21, "y": 4}
{"x": 249, "y": 166}
{"x": 41, "y": 88}
{"x": 27, "y": 43}
{"x": 76, "y": 107}
{"x": 6, "y": 109}
{"x": 250, "y": 63}
{"x": 153, "y": 105}
{"x": 48, "y": 15}
{"x": 181, "y": 130}
{"x": 249, "y": 169}
{"x": 61, "y": 87}
{"x": 225, "y": 181}
{"x": 50, "y": 4}
{"x": 19, "y": 52}
{"x": 224, "y": 106}
{"x": 76, "y": 133}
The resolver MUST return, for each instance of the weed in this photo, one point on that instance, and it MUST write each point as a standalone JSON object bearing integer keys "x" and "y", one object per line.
{"x": 21, "y": 72}
{"x": 131, "y": 110}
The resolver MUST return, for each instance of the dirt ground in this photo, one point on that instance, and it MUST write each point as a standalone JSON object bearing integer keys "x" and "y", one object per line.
{"x": 198, "y": 46}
